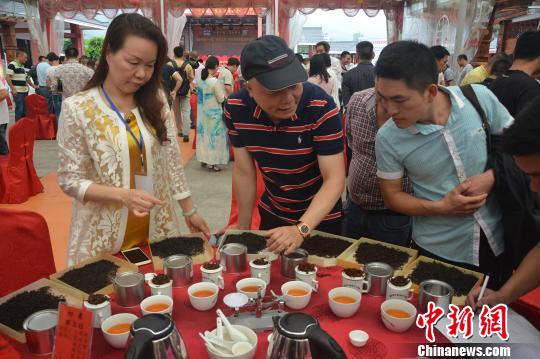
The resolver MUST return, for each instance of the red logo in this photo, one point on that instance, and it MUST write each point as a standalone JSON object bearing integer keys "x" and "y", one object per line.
{"x": 461, "y": 321}
{"x": 429, "y": 319}
{"x": 494, "y": 321}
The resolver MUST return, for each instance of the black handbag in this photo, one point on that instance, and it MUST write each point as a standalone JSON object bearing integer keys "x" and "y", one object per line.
{"x": 520, "y": 205}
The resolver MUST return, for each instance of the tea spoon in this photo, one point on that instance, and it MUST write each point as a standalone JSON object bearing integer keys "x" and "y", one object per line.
{"x": 234, "y": 333}
{"x": 210, "y": 343}
{"x": 219, "y": 328}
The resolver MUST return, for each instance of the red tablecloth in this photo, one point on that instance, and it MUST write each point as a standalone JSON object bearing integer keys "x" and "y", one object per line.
{"x": 382, "y": 342}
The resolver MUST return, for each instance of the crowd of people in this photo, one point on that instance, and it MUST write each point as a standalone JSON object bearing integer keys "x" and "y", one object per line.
{"x": 419, "y": 169}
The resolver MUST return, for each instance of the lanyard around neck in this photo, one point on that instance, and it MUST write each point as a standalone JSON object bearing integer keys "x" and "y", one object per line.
{"x": 140, "y": 141}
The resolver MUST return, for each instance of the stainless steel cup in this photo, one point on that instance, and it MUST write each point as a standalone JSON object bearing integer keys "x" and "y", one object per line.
{"x": 377, "y": 275}
{"x": 435, "y": 291}
{"x": 129, "y": 287}
{"x": 233, "y": 258}
{"x": 40, "y": 330}
{"x": 179, "y": 268}
{"x": 289, "y": 262}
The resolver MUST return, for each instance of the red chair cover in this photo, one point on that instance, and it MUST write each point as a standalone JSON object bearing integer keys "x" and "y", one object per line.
{"x": 36, "y": 109}
{"x": 26, "y": 249}
{"x": 18, "y": 177}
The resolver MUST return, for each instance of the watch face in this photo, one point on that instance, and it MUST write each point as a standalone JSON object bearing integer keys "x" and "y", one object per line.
{"x": 304, "y": 229}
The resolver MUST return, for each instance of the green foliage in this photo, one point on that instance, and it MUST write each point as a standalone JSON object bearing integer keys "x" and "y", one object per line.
{"x": 67, "y": 44}
{"x": 92, "y": 47}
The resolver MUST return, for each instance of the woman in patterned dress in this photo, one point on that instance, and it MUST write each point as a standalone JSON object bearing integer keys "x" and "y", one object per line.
{"x": 212, "y": 148}
{"x": 119, "y": 158}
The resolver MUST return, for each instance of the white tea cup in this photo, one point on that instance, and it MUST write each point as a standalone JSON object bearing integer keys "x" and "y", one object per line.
{"x": 261, "y": 271}
{"x": 403, "y": 292}
{"x": 307, "y": 277}
{"x": 100, "y": 311}
{"x": 205, "y": 302}
{"x": 295, "y": 301}
{"x": 249, "y": 286}
{"x": 161, "y": 289}
{"x": 358, "y": 283}
{"x": 213, "y": 276}
{"x": 166, "y": 302}
{"x": 119, "y": 340}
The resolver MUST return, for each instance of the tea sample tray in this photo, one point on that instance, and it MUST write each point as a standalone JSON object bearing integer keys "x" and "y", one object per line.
{"x": 172, "y": 246}
{"x": 468, "y": 280}
{"x": 123, "y": 266}
{"x": 348, "y": 258}
{"x": 72, "y": 298}
{"x": 255, "y": 241}
{"x": 328, "y": 250}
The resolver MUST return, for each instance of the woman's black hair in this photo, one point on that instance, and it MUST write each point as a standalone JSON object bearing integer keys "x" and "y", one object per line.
{"x": 317, "y": 67}
{"x": 148, "y": 96}
{"x": 210, "y": 64}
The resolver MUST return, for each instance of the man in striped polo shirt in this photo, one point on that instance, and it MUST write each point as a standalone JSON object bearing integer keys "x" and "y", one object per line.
{"x": 19, "y": 81}
{"x": 292, "y": 129}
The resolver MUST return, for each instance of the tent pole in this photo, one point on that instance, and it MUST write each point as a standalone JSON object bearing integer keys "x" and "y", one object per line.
{"x": 162, "y": 16}
{"x": 276, "y": 17}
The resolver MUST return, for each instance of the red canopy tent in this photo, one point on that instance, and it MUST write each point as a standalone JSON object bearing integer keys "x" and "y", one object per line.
{"x": 156, "y": 9}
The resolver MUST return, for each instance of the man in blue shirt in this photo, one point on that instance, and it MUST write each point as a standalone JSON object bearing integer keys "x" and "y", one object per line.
{"x": 292, "y": 129}
{"x": 436, "y": 137}
{"x": 41, "y": 70}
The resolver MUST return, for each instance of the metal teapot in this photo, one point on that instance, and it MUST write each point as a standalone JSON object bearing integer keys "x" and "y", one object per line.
{"x": 299, "y": 336}
{"x": 154, "y": 336}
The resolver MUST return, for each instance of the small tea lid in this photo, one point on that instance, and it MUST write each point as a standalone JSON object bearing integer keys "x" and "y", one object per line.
{"x": 42, "y": 320}
{"x": 234, "y": 249}
{"x": 297, "y": 254}
{"x": 158, "y": 325}
{"x": 296, "y": 325}
{"x": 177, "y": 261}
{"x": 129, "y": 279}
{"x": 379, "y": 269}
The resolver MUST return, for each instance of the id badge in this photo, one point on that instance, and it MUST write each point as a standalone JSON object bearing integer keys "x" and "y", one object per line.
{"x": 144, "y": 183}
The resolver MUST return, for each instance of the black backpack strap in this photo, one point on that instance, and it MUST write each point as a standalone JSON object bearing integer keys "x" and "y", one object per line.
{"x": 469, "y": 93}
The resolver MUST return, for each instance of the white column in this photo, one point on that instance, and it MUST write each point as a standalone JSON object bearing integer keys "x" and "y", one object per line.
{"x": 276, "y": 17}
{"x": 458, "y": 43}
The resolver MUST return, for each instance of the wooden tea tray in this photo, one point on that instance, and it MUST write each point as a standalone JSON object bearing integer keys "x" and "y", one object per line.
{"x": 347, "y": 260}
{"x": 460, "y": 301}
{"x": 328, "y": 262}
{"x": 123, "y": 266}
{"x": 206, "y": 256}
{"x": 250, "y": 256}
{"x": 72, "y": 297}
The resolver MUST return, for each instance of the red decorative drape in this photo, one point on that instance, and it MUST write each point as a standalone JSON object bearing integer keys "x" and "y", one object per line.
{"x": 218, "y": 8}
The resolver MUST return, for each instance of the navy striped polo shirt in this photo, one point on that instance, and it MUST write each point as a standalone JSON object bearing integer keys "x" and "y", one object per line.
{"x": 287, "y": 152}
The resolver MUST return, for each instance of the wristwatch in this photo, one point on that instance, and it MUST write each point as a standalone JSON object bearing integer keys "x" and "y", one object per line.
{"x": 304, "y": 229}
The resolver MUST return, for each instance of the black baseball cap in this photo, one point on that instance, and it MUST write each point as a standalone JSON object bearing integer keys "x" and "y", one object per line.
{"x": 272, "y": 63}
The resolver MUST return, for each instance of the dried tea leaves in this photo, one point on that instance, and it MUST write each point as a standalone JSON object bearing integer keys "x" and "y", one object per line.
{"x": 92, "y": 277}
{"x": 212, "y": 265}
{"x": 161, "y": 279}
{"x": 327, "y": 247}
{"x": 367, "y": 252}
{"x": 306, "y": 267}
{"x": 96, "y": 299}
{"x": 189, "y": 246}
{"x": 400, "y": 281}
{"x": 18, "y": 308}
{"x": 354, "y": 273}
{"x": 253, "y": 242}
{"x": 460, "y": 281}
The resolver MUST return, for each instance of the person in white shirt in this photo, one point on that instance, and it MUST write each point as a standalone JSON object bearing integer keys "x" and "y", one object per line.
{"x": 226, "y": 77}
{"x": 4, "y": 119}
{"x": 465, "y": 67}
{"x": 323, "y": 47}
